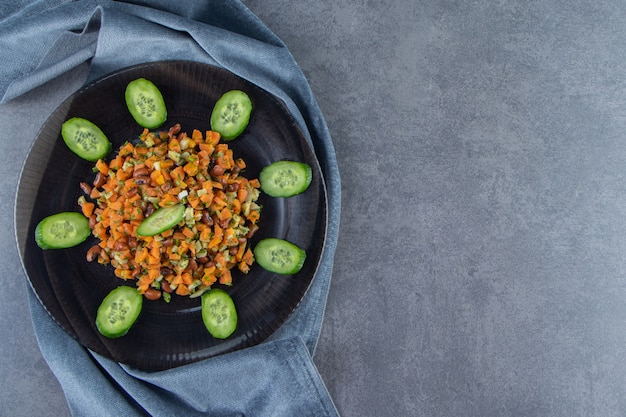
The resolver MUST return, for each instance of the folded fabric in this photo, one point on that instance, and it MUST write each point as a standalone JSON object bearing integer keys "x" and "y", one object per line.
{"x": 44, "y": 39}
{"x": 275, "y": 378}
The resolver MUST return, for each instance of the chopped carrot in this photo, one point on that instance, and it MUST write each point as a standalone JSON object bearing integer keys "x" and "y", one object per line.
{"x": 240, "y": 163}
{"x": 254, "y": 216}
{"x": 212, "y": 137}
{"x": 116, "y": 205}
{"x": 87, "y": 208}
{"x": 240, "y": 252}
{"x": 174, "y": 145}
{"x": 182, "y": 290}
{"x": 226, "y": 278}
{"x": 243, "y": 267}
{"x": 225, "y": 214}
{"x": 236, "y": 206}
{"x": 242, "y": 193}
{"x": 187, "y": 278}
{"x": 123, "y": 174}
{"x": 102, "y": 166}
{"x": 248, "y": 257}
{"x": 205, "y": 235}
{"x": 168, "y": 200}
{"x": 193, "y": 200}
{"x": 158, "y": 177}
{"x": 188, "y": 232}
{"x": 191, "y": 169}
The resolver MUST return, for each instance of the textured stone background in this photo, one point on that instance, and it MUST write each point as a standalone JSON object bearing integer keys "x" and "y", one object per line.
{"x": 481, "y": 261}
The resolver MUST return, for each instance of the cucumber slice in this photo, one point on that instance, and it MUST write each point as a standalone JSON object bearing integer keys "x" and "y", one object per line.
{"x": 118, "y": 311}
{"x": 279, "y": 256}
{"x": 62, "y": 230}
{"x": 231, "y": 114}
{"x": 161, "y": 220}
{"x": 145, "y": 103}
{"x": 219, "y": 313}
{"x": 85, "y": 139}
{"x": 285, "y": 178}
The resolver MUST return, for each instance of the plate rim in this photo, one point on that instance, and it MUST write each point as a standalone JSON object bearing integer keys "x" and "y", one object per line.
{"x": 21, "y": 241}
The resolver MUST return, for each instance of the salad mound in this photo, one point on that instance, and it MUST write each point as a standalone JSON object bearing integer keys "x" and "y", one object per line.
{"x": 168, "y": 169}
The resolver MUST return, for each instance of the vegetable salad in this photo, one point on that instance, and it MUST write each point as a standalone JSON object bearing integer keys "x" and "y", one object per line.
{"x": 163, "y": 170}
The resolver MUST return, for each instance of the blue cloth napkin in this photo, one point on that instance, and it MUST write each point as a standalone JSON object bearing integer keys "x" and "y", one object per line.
{"x": 40, "y": 40}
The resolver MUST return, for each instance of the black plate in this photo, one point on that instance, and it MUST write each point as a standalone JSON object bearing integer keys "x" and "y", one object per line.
{"x": 167, "y": 335}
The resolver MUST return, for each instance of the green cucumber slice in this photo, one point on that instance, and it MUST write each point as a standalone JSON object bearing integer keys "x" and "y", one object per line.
{"x": 279, "y": 256}
{"x": 62, "y": 230}
{"x": 219, "y": 313}
{"x": 145, "y": 103}
{"x": 285, "y": 178}
{"x": 119, "y": 311}
{"x": 161, "y": 220}
{"x": 231, "y": 114}
{"x": 85, "y": 139}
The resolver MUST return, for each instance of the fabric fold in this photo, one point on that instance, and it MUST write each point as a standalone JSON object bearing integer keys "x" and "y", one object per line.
{"x": 275, "y": 378}
{"x": 34, "y": 52}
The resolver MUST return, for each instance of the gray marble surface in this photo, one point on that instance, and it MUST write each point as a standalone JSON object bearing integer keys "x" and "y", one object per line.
{"x": 481, "y": 265}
